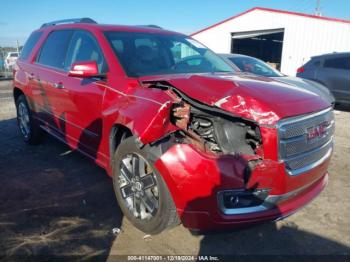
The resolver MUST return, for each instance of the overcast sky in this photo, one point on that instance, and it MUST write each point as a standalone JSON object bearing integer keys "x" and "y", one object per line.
{"x": 18, "y": 18}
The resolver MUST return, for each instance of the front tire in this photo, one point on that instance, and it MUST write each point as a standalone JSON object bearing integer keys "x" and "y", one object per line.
{"x": 28, "y": 126}
{"x": 141, "y": 191}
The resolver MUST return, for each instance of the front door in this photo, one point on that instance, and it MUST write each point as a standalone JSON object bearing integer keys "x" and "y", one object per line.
{"x": 83, "y": 108}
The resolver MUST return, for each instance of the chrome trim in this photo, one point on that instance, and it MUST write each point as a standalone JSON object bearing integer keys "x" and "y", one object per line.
{"x": 305, "y": 147}
{"x": 245, "y": 210}
{"x": 291, "y": 147}
{"x": 290, "y": 120}
{"x": 269, "y": 203}
{"x": 314, "y": 164}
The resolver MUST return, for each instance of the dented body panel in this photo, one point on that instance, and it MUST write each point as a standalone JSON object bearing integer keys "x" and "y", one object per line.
{"x": 260, "y": 99}
{"x": 206, "y": 133}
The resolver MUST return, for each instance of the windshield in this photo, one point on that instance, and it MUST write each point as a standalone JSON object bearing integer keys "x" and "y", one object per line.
{"x": 254, "y": 66}
{"x": 143, "y": 54}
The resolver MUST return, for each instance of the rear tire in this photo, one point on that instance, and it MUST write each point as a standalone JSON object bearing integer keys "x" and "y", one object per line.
{"x": 28, "y": 126}
{"x": 139, "y": 187}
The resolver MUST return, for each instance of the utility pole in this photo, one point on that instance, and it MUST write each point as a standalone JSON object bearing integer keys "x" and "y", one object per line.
{"x": 17, "y": 46}
{"x": 318, "y": 8}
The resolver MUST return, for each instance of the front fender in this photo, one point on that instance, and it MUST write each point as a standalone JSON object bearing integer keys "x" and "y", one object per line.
{"x": 146, "y": 112}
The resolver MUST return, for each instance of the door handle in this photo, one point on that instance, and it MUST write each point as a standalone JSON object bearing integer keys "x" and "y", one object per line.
{"x": 58, "y": 85}
{"x": 31, "y": 76}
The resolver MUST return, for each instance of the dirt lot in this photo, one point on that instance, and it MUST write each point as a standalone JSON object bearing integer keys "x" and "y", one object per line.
{"x": 54, "y": 201}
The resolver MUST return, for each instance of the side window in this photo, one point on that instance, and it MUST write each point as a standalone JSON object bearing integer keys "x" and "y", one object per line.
{"x": 338, "y": 63}
{"x": 84, "y": 47}
{"x": 29, "y": 45}
{"x": 317, "y": 63}
{"x": 53, "y": 51}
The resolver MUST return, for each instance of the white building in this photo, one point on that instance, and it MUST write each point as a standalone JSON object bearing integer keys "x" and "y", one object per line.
{"x": 288, "y": 39}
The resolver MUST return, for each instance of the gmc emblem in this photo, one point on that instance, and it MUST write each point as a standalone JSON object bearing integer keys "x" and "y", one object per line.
{"x": 317, "y": 131}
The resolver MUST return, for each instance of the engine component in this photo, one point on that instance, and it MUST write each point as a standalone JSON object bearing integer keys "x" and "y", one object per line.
{"x": 224, "y": 135}
{"x": 181, "y": 115}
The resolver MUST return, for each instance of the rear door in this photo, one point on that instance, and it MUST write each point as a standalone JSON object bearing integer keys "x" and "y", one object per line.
{"x": 335, "y": 74}
{"x": 49, "y": 75}
{"x": 26, "y": 71}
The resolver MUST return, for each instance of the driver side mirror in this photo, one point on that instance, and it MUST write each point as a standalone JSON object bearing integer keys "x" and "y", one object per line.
{"x": 87, "y": 69}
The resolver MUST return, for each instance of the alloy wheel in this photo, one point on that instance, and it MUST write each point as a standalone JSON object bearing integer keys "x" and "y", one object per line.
{"x": 24, "y": 119}
{"x": 138, "y": 186}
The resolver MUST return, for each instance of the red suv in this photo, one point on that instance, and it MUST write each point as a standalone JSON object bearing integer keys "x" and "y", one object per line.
{"x": 184, "y": 137}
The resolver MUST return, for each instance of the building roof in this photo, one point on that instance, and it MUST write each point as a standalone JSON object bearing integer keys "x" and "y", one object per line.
{"x": 274, "y": 11}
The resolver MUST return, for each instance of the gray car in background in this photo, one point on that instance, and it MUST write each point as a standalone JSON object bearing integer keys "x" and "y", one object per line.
{"x": 333, "y": 71}
{"x": 258, "y": 67}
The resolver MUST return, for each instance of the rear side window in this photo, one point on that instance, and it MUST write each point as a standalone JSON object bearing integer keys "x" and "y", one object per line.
{"x": 312, "y": 63}
{"x": 84, "y": 47}
{"x": 29, "y": 45}
{"x": 53, "y": 51}
{"x": 338, "y": 63}
{"x": 317, "y": 63}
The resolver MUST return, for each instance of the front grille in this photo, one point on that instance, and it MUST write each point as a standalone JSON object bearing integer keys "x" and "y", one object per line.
{"x": 306, "y": 141}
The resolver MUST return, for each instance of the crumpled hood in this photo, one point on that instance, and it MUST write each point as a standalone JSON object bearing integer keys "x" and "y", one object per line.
{"x": 260, "y": 99}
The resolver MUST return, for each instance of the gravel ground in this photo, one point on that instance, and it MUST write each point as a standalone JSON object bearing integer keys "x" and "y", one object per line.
{"x": 55, "y": 201}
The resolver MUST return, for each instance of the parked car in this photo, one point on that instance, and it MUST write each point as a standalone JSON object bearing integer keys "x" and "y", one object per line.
{"x": 332, "y": 71}
{"x": 256, "y": 66}
{"x": 1, "y": 67}
{"x": 10, "y": 60}
{"x": 184, "y": 137}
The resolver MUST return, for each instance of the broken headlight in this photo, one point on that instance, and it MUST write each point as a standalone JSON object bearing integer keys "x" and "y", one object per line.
{"x": 215, "y": 132}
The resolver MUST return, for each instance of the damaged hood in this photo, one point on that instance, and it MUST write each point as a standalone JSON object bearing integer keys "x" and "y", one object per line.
{"x": 260, "y": 99}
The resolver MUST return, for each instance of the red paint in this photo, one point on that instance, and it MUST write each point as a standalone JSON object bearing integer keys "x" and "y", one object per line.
{"x": 274, "y": 11}
{"x": 84, "y": 69}
{"x": 212, "y": 220}
{"x": 257, "y": 98}
{"x": 84, "y": 112}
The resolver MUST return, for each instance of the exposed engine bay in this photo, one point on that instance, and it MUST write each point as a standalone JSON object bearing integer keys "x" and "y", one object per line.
{"x": 210, "y": 128}
{"x": 218, "y": 133}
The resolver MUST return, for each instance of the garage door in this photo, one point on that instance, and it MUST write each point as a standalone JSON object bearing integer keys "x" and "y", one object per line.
{"x": 264, "y": 44}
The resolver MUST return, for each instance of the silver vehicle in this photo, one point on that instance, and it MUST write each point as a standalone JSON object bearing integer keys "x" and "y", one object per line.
{"x": 256, "y": 66}
{"x": 333, "y": 71}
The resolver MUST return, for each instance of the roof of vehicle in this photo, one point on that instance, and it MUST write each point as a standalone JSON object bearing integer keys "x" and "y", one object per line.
{"x": 332, "y": 54}
{"x": 107, "y": 27}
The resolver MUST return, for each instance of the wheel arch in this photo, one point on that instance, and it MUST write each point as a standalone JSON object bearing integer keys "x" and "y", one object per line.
{"x": 17, "y": 92}
{"x": 117, "y": 133}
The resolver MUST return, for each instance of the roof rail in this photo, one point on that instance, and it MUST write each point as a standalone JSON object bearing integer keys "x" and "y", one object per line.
{"x": 152, "y": 26}
{"x": 70, "y": 21}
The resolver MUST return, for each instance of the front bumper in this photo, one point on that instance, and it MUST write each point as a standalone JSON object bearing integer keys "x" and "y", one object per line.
{"x": 204, "y": 220}
{"x": 195, "y": 179}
